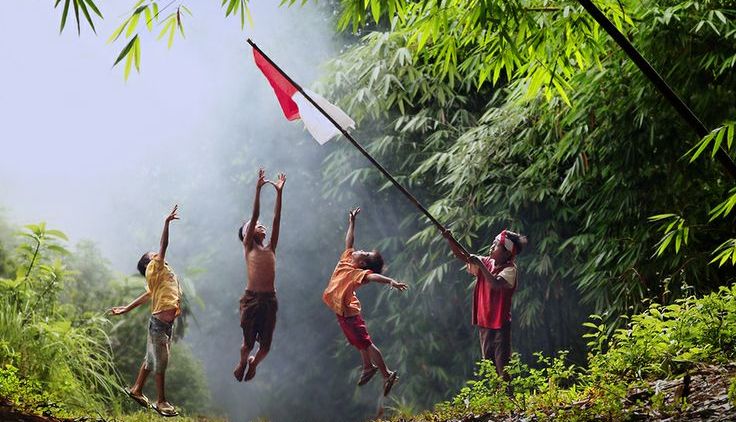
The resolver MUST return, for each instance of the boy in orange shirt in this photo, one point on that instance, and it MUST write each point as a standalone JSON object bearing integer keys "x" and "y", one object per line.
{"x": 354, "y": 269}
{"x": 162, "y": 288}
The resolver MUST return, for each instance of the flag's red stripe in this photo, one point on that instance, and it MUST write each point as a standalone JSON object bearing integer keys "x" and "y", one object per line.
{"x": 281, "y": 86}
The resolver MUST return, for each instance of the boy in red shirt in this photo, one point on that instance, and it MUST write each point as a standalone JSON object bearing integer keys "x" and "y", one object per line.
{"x": 496, "y": 281}
{"x": 354, "y": 269}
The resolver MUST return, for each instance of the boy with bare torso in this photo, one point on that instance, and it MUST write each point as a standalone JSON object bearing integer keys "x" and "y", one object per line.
{"x": 258, "y": 305}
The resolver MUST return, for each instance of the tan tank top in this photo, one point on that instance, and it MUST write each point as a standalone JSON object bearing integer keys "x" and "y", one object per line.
{"x": 261, "y": 263}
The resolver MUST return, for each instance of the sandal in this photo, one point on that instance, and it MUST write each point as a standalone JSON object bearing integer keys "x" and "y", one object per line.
{"x": 390, "y": 381}
{"x": 166, "y": 411}
{"x": 367, "y": 375}
{"x": 142, "y": 399}
{"x": 251, "y": 369}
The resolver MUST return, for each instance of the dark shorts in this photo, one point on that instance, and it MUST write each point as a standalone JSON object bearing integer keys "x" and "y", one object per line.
{"x": 258, "y": 318}
{"x": 158, "y": 345}
{"x": 355, "y": 331}
{"x": 496, "y": 346}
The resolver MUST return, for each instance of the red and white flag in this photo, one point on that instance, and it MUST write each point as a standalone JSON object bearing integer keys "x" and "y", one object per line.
{"x": 296, "y": 106}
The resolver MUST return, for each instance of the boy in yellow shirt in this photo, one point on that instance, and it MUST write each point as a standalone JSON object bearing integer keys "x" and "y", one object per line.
{"x": 162, "y": 288}
{"x": 354, "y": 269}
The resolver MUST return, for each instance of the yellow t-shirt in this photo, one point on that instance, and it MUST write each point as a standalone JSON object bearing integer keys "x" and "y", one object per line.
{"x": 340, "y": 292}
{"x": 163, "y": 286}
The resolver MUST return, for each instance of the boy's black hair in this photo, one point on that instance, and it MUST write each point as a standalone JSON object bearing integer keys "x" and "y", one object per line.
{"x": 520, "y": 241}
{"x": 374, "y": 262}
{"x": 242, "y": 230}
{"x": 143, "y": 263}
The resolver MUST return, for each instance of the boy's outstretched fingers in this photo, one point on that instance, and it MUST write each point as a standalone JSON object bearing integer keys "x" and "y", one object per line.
{"x": 353, "y": 212}
{"x": 117, "y": 310}
{"x": 399, "y": 286}
{"x": 172, "y": 215}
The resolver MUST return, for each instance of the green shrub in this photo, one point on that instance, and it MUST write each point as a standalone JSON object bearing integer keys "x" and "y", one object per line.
{"x": 661, "y": 342}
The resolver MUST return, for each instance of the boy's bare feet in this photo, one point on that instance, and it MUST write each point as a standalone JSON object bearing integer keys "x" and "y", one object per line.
{"x": 367, "y": 375}
{"x": 390, "y": 381}
{"x": 251, "y": 369}
{"x": 240, "y": 371}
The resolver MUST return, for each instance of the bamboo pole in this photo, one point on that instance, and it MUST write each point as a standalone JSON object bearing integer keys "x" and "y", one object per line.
{"x": 363, "y": 151}
{"x": 655, "y": 78}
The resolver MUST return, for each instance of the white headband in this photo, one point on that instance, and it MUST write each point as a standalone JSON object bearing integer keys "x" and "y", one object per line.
{"x": 505, "y": 241}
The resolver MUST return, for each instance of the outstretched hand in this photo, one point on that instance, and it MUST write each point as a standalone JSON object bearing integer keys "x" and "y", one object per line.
{"x": 118, "y": 310}
{"x": 279, "y": 184}
{"x": 261, "y": 178}
{"x": 352, "y": 213}
{"x": 399, "y": 285}
{"x": 173, "y": 214}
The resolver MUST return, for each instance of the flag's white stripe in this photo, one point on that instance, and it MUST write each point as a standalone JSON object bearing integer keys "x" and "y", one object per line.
{"x": 321, "y": 129}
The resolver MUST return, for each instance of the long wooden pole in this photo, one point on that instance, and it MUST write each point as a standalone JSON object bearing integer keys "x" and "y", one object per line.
{"x": 655, "y": 78}
{"x": 365, "y": 153}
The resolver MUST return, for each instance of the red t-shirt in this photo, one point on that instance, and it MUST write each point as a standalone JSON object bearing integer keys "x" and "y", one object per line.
{"x": 492, "y": 305}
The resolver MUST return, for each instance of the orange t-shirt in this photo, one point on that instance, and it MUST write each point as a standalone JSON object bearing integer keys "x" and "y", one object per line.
{"x": 340, "y": 292}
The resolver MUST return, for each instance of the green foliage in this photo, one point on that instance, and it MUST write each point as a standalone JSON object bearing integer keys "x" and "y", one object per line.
{"x": 726, "y": 251}
{"x": 150, "y": 12}
{"x": 56, "y": 347}
{"x": 661, "y": 342}
{"x": 666, "y": 340}
{"x": 85, "y": 6}
{"x": 29, "y": 395}
{"x": 64, "y": 353}
{"x": 463, "y": 119}
{"x": 673, "y": 228}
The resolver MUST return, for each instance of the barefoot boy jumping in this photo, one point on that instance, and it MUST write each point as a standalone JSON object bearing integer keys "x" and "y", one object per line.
{"x": 162, "y": 288}
{"x": 354, "y": 269}
{"x": 258, "y": 305}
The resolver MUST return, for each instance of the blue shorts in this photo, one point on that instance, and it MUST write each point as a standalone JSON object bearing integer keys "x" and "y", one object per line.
{"x": 158, "y": 345}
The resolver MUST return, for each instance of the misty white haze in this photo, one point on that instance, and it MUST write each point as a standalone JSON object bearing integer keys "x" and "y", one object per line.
{"x": 104, "y": 159}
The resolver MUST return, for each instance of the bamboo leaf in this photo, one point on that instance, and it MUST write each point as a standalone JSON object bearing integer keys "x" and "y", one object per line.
{"x": 83, "y": 6}
{"x": 128, "y": 63}
{"x": 248, "y": 15}
{"x": 64, "y": 14}
{"x": 149, "y": 18}
{"x": 76, "y": 15}
{"x": 376, "y": 10}
{"x": 719, "y": 139}
{"x": 125, "y": 50}
{"x": 172, "y": 31}
{"x": 137, "y": 54}
{"x": 94, "y": 8}
{"x": 116, "y": 34}
{"x": 132, "y": 25}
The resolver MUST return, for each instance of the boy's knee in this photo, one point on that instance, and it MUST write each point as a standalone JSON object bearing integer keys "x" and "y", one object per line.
{"x": 264, "y": 349}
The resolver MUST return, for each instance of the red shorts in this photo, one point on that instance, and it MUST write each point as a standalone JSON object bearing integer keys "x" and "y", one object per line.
{"x": 355, "y": 331}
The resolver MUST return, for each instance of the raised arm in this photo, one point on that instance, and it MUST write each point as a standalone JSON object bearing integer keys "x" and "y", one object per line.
{"x": 119, "y": 310}
{"x": 350, "y": 236}
{"x": 279, "y": 185}
{"x": 378, "y": 278}
{"x": 475, "y": 267}
{"x": 455, "y": 248}
{"x": 165, "y": 234}
{"x": 248, "y": 236}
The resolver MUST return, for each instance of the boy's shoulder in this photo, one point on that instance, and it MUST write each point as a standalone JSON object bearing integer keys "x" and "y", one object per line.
{"x": 157, "y": 266}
